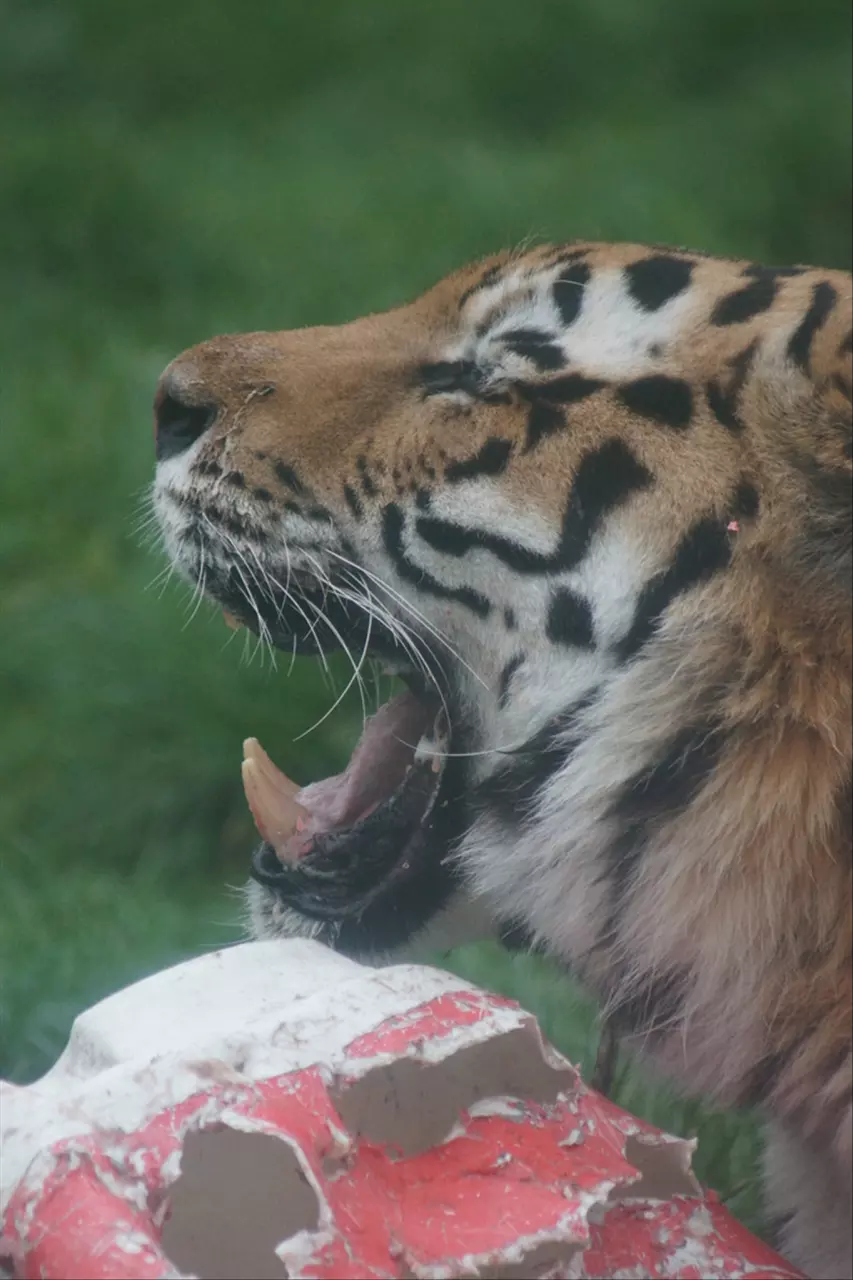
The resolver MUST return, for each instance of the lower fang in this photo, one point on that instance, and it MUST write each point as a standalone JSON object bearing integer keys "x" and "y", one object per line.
{"x": 432, "y": 747}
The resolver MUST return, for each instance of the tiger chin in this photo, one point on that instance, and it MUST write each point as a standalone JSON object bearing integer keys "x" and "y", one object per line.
{"x": 592, "y": 505}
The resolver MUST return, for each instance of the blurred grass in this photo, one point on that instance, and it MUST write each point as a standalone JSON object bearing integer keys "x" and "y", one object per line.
{"x": 172, "y": 171}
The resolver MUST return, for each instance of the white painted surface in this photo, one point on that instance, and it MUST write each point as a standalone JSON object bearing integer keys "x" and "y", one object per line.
{"x": 254, "y": 1010}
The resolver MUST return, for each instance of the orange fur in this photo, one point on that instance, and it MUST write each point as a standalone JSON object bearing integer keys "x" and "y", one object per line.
{"x": 746, "y": 889}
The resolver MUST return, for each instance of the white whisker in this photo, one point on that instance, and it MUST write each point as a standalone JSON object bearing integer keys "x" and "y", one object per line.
{"x": 198, "y": 593}
{"x": 355, "y": 676}
{"x": 415, "y": 613}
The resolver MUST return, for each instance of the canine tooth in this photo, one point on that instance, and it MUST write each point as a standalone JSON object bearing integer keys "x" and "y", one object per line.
{"x": 270, "y": 796}
{"x": 252, "y": 750}
{"x": 230, "y": 621}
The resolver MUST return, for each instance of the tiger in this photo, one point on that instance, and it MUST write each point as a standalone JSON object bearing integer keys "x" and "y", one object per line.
{"x": 591, "y": 504}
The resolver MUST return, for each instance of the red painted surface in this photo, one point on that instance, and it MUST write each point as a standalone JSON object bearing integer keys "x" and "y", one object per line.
{"x": 512, "y": 1175}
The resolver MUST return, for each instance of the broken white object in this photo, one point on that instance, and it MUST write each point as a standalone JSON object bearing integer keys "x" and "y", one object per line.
{"x": 276, "y": 1110}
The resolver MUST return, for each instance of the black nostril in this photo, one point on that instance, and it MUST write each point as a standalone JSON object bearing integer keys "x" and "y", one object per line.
{"x": 178, "y": 425}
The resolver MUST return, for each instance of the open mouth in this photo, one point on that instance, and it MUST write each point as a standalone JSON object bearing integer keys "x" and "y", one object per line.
{"x": 340, "y": 845}
{"x": 331, "y": 846}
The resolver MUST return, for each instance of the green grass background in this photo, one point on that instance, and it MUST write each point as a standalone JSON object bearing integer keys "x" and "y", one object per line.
{"x": 169, "y": 171}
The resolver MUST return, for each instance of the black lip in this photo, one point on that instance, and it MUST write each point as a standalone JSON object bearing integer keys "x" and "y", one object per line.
{"x": 387, "y": 874}
{"x": 370, "y": 888}
{"x": 369, "y": 910}
{"x": 346, "y": 869}
{"x": 293, "y": 621}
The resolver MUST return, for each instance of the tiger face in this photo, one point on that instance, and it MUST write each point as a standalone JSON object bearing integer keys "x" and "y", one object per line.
{"x": 592, "y": 504}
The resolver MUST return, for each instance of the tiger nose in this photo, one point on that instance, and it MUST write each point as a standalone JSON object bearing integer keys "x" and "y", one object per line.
{"x": 181, "y": 415}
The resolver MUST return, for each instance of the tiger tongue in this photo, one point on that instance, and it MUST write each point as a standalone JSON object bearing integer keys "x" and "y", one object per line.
{"x": 289, "y": 817}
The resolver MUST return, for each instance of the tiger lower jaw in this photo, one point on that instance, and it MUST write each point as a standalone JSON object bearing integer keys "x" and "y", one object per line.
{"x": 333, "y": 849}
{"x": 361, "y": 860}
{"x": 371, "y": 862}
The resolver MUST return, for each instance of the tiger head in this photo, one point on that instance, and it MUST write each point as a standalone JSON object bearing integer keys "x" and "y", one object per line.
{"x": 576, "y": 498}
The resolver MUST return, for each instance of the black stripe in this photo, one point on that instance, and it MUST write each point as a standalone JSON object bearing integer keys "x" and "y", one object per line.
{"x": 534, "y": 345}
{"x": 824, "y": 299}
{"x": 513, "y": 789}
{"x": 262, "y": 494}
{"x": 570, "y": 620}
{"x": 746, "y": 501}
{"x": 662, "y": 790}
{"x": 317, "y": 512}
{"x": 657, "y": 1004}
{"x": 652, "y": 282}
{"x": 757, "y": 271}
{"x": 665, "y": 400}
{"x": 236, "y": 479}
{"x": 288, "y": 477}
{"x": 762, "y": 1078}
{"x": 542, "y": 421}
{"x": 751, "y": 300}
{"x": 367, "y": 483}
{"x": 768, "y": 1072}
{"x": 393, "y": 524}
{"x": 564, "y": 255}
{"x": 568, "y": 291}
{"x": 723, "y": 401}
{"x": 491, "y": 459}
{"x": 488, "y": 277}
{"x": 505, "y": 678}
{"x": 606, "y": 478}
{"x": 703, "y": 551}
{"x": 845, "y": 347}
{"x": 544, "y": 417}
{"x": 770, "y": 1069}
{"x": 353, "y": 501}
{"x": 567, "y": 390}
{"x": 515, "y": 936}
{"x": 656, "y": 794}
{"x": 234, "y": 522}
{"x": 776, "y": 1229}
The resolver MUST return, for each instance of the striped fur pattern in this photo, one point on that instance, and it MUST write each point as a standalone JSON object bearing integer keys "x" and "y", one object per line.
{"x": 608, "y": 490}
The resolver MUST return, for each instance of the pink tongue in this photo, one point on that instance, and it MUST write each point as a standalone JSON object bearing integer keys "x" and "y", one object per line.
{"x": 289, "y": 818}
{"x": 376, "y": 768}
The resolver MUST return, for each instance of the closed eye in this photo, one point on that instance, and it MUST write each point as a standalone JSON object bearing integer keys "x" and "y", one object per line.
{"x": 447, "y": 376}
{"x": 535, "y": 345}
{"x": 455, "y": 377}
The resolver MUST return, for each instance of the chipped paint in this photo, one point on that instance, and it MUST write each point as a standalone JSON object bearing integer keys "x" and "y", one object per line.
{"x": 275, "y": 1110}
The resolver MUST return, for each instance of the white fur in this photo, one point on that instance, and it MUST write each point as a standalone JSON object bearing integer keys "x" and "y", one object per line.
{"x": 610, "y": 338}
{"x": 551, "y": 873}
